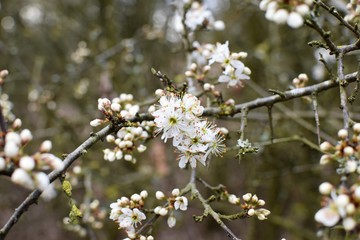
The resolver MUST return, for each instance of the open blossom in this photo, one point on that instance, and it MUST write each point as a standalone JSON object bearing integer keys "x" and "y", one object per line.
{"x": 179, "y": 118}
{"x": 234, "y": 71}
{"x": 130, "y": 218}
{"x": 181, "y": 203}
{"x": 327, "y": 216}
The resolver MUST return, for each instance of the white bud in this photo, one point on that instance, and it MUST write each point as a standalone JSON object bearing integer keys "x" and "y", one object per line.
{"x": 17, "y": 123}
{"x": 111, "y": 156}
{"x": 136, "y": 197}
{"x": 128, "y": 144}
{"x": 46, "y": 146}
{"x": 13, "y": 137}
{"x": 175, "y": 192}
{"x": 21, "y": 177}
{"x": 254, "y": 199}
{"x": 351, "y": 166}
{"x": 350, "y": 209}
{"x": 96, "y": 122}
{"x": 142, "y": 238}
{"x": 349, "y": 223}
{"x": 144, "y": 194}
{"x": 325, "y": 188}
{"x": 348, "y": 151}
{"x": 103, "y": 103}
{"x": 207, "y": 87}
{"x": 151, "y": 109}
{"x": 141, "y": 148}
{"x": 224, "y": 131}
{"x": 233, "y": 199}
{"x": 247, "y": 197}
{"x": 26, "y": 136}
{"x": 27, "y": 163}
{"x": 150, "y": 238}
{"x": 342, "y": 133}
{"x": 159, "y": 92}
{"x": 219, "y": 25}
{"x": 280, "y": 16}
{"x": 42, "y": 180}
{"x": 295, "y": 20}
{"x": 356, "y": 128}
{"x": 118, "y": 155}
{"x": 261, "y": 202}
{"x": 171, "y": 221}
{"x": 325, "y": 159}
{"x": 128, "y": 157}
{"x": 11, "y": 149}
{"x": 159, "y": 195}
{"x": 163, "y": 212}
{"x": 251, "y": 212}
{"x": 110, "y": 138}
{"x": 115, "y": 107}
{"x": 326, "y": 147}
{"x": 243, "y": 54}
{"x": 2, "y": 163}
{"x": 303, "y": 9}
{"x": 157, "y": 210}
{"x": 247, "y": 71}
{"x": 357, "y": 193}
{"x": 342, "y": 200}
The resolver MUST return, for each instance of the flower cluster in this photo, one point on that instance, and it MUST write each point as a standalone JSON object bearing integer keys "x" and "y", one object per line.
{"x": 199, "y": 17}
{"x": 339, "y": 205}
{"x": 301, "y": 80}
{"x": 250, "y": 205}
{"x": 127, "y": 139}
{"x": 127, "y": 212}
{"x": 175, "y": 202}
{"x": 346, "y": 153}
{"x": 353, "y": 15}
{"x": 121, "y": 107}
{"x": 27, "y": 169}
{"x": 234, "y": 70}
{"x": 195, "y": 138}
{"x": 290, "y": 12}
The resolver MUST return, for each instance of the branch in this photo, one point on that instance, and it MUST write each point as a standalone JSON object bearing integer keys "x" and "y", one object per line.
{"x": 70, "y": 158}
{"x": 291, "y": 94}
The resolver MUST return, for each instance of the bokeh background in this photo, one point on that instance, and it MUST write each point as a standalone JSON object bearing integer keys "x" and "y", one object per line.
{"x": 63, "y": 55}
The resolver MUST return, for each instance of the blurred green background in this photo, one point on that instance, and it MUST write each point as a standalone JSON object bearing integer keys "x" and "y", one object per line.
{"x": 63, "y": 55}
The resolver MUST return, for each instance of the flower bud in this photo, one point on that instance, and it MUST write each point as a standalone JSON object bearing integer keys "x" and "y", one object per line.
{"x": 163, "y": 212}
{"x": 175, "y": 192}
{"x": 2, "y": 163}
{"x": 251, "y": 212}
{"x": 96, "y": 122}
{"x": 21, "y": 177}
{"x": 135, "y": 197}
{"x": 11, "y": 149}
{"x": 348, "y": 151}
{"x": 349, "y": 223}
{"x": 356, "y": 128}
{"x": 342, "y": 133}
{"x": 247, "y": 197}
{"x": 26, "y": 136}
{"x": 326, "y": 147}
{"x": 17, "y": 123}
{"x": 325, "y": 188}
{"x": 13, "y": 137}
{"x": 159, "y": 195}
{"x": 144, "y": 194}
{"x": 27, "y": 163}
{"x": 115, "y": 107}
{"x": 42, "y": 180}
{"x": 45, "y": 146}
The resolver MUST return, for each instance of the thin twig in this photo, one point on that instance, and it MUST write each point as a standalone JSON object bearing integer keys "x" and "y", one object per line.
{"x": 317, "y": 120}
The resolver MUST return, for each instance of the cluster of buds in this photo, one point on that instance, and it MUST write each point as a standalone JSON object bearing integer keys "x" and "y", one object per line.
{"x": 128, "y": 213}
{"x": 93, "y": 217}
{"x": 7, "y": 107}
{"x": 285, "y": 11}
{"x": 301, "y": 80}
{"x": 119, "y": 108}
{"x": 198, "y": 17}
{"x": 174, "y": 202}
{"x": 27, "y": 169}
{"x": 339, "y": 205}
{"x": 250, "y": 205}
{"x": 353, "y": 8}
{"x": 346, "y": 153}
{"x": 127, "y": 140}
